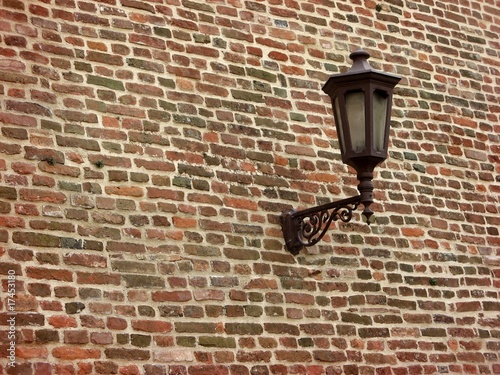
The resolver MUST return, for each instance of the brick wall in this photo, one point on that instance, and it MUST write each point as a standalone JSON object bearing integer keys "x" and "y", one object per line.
{"x": 148, "y": 147}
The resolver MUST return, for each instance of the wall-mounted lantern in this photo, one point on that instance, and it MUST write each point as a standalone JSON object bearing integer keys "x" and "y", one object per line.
{"x": 361, "y": 100}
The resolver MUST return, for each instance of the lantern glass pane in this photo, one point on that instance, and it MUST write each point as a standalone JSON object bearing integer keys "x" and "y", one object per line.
{"x": 380, "y": 101}
{"x": 340, "y": 128}
{"x": 355, "y": 105}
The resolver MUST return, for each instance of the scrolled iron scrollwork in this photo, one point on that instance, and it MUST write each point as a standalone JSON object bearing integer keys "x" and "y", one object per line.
{"x": 307, "y": 227}
{"x": 314, "y": 226}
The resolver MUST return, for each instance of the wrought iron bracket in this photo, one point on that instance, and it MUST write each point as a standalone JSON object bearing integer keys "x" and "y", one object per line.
{"x": 307, "y": 227}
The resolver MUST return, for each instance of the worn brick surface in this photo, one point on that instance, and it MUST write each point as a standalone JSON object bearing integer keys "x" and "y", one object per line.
{"x": 147, "y": 149}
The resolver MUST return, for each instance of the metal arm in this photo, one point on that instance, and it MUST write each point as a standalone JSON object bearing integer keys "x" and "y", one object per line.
{"x": 307, "y": 227}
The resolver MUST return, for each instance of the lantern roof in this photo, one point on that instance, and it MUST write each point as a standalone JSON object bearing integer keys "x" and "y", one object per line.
{"x": 361, "y": 69}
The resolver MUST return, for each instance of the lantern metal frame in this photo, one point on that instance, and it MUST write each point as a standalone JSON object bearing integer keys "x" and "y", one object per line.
{"x": 307, "y": 227}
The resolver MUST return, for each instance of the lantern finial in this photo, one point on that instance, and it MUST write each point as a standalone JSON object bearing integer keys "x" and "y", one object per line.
{"x": 360, "y": 62}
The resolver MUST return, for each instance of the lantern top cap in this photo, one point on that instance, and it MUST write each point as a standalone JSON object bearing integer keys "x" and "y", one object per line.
{"x": 360, "y": 70}
{"x": 359, "y": 61}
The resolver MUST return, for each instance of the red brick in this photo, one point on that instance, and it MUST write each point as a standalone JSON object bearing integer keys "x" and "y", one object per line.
{"x": 61, "y": 321}
{"x": 203, "y": 51}
{"x": 412, "y": 357}
{"x": 301, "y": 356}
{"x": 49, "y": 274}
{"x": 87, "y": 260}
{"x": 181, "y": 222}
{"x": 98, "y": 278}
{"x": 299, "y": 298}
{"x": 253, "y": 356}
{"x": 184, "y": 72}
{"x": 148, "y": 40}
{"x": 168, "y": 194}
{"x": 12, "y": 222}
{"x": 76, "y": 337}
{"x": 23, "y": 168}
{"x": 101, "y": 338}
{"x": 412, "y": 232}
{"x": 59, "y": 169}
{"x": 116, "y": 323}
{"x": 329, "y": 356}
{"x": 75, "y": 353}
{"x": 468, "y": 306}
{"x": 208, "y": 369}
{"x": 151, "y": 326}
{"x": 35, "y": 195}
{"x": 132, "y": 191}
{"x": 177, "y": 296}
{"x": 209, "y": 295}
{"x": 126, "y": 247}
{"x": 261, "y": 283}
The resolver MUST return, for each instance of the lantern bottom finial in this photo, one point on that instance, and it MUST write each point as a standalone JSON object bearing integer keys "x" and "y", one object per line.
{"x": 365, "y": 188}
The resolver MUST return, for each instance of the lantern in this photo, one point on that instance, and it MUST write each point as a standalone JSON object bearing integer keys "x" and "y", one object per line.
{"x": 361, "y": 101}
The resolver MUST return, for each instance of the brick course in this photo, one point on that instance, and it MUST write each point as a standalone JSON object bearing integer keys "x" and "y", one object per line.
{"x": 147, "y": 149}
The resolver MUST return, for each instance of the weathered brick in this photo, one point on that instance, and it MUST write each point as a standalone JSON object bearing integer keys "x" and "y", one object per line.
{"x": 281, "y": 328}
{"x": 208, "y": 369}
{"x": 75, "y": 116}
{"x": 87, "y": 260}
{"x": 127, "y": 247}
{"x": 105, "y": 82}
{"x": 172, "y": 356}
{"x": 127, "y": 354}
{"x": 98, "y": 278}
{"x": 45, "y": 336}
{"x": 373, "y": 332}
{"x": 9, "y": 149}
{"x": 217, "y": 342}
{"x": 76, "y": 337}
{"x": 15, "y": 133}
{"x": 74, "y": 142}
{"x": 72, "y": 307}
{"x": 243, "y": 328}
{"x": 177, "y": 296}
{"x": 36, "y": 239}
{"x": 191, "y": 327}
{"x": 8, "y": 193}
{"x": 329, "y": 356}
{"x": 143, "y": 281}
{"x": 152, "y": 326}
